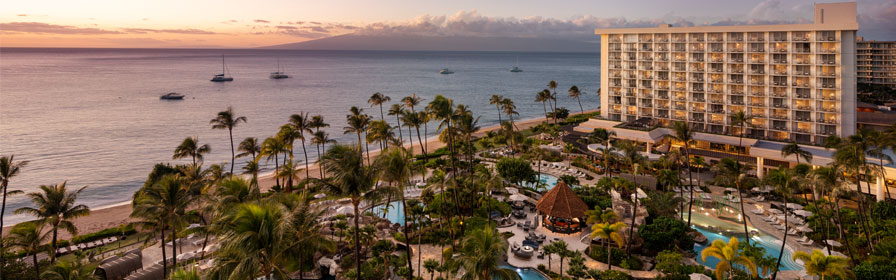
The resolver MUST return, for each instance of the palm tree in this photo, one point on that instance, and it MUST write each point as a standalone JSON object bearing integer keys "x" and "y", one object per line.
{"x": 729, "y": 257}
{"x": 574, "y": 93}
{"x": 784, "y": 180}
{"x": 272, "y": 147}
{"x": 827, "y": 179}
{"x": 743, "y": 120}
{"x": 76, "y": 270}
{"x": 27, "y": 236}
{"x": 662, "y": 203}
{"x": 480, "y": 255}
{"x": 544, "y": 97}
{"x": 253, "y": 242}
{"x": 289, "y": 172}
{"x": 396, "y": 167}
{"x": 510, "y": 111}
{"x": 879, "y": 143}
{"x": 248, "y": 147}
{"x": 377, "y": 99}
{"x": 733, "y": 173}
{"x": 8, "y": 168}
{"x": 351, "y": 178}
{"x": 607, "y": 231}
{"x": 321, "y": 139}
{"x": 397, "y": 110}
{"x": 685, "y": 134}
{"x": 165, "y": 201}
{"x": 380, "y": 132}
{"x": 411, "y": 102}
{"x": 794, "y": 149}
{"x": 357, "y": 123}
{"x": 190, "y": 147}
{"x": 443, "y": 108}
{"x": 851, "y": 154}
{"x": 302, "y": 124}
{"x": 183, "y": 274}
{"x": 553, "y": 97}
{"x": 821, "y": 265}
{"x": 304, "y": 228}
{"x": 431, "y": 266}
{"x": 496, "y": 100}
{"x": 466, "y": 127}
{"x": 226, "y": 120}
{"x": 56, "y": 206}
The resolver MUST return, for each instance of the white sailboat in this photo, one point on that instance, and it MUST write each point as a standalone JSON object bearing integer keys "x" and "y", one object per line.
{"x": 516, "y": 69}
{"x": 223, "y": 77}
{"x": 279, "y": 74}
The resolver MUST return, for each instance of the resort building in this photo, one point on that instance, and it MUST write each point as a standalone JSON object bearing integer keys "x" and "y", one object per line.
{"x": 797, "y": 82}
{"x": 876, "y": 62}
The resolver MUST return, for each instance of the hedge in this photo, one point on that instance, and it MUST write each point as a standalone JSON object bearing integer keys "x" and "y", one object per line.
{"x": 109, "y": 232}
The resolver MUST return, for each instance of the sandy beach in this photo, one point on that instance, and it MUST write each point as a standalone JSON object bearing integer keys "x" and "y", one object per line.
{"x": 119, "y": 214}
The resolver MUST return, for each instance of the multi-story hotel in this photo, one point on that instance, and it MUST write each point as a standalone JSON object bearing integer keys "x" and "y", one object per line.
{"x": 796, "y": 81}
{"x": 876, "y": 62}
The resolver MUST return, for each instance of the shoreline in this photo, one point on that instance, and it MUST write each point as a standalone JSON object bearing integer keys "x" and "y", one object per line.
{"x": 113, "y": 215}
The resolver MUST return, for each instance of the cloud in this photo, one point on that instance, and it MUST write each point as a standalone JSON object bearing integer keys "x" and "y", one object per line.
{"x": 22, "y": 15}
{"x": 45, "y": 28}
{"x": 261, "y": 21}
{"x": 877, "y": 23}
{"x": 173, "y": 31}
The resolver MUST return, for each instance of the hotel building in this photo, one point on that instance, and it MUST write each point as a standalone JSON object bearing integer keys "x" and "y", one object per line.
{"x": 796, "y": 81}
{"x": 876, "y": 62}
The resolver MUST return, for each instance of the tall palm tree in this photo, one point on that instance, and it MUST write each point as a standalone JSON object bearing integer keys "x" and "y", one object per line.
{"x": 377, "y": 99}
{"x": 226, "y": 120}
{"x": 190, "y": 147}
{"x": 357, "y": 122}
{"x": 443, "y": 109}
{"x": 411, "y": 102}
{"x": 248, "y": 147}
{"x": 794, "y": 149}
{"x": 828, "y": 179}
{"x": 350, "y": 177}
{"x": 685, "y": 134}
{"x": 729, "y": 256}
{"x": 397, "y": 110}
{"x": 544, "y": 97}
{"x": 879, "y": 143}
{"x": 553, "y": 97}
{"x": 822, "y": 265}
{"x": 272, "y": 147}
{"x": 28, "y": 236}
{"x": 467, "y": 126}
{"x": 380, "y": 132}
{"x": 253, "y": 242}
{"x": 743, "y": 120}
{"x": 607, "y": 232}
{"x": 396, "y": 167}
{"x": 850, "y": 152}
{"x": 304, "y": 228}
{"x": 480, "y": 255}
{"x": 603, "y": 136}
{"x": 321, "y": 139}
{"x": 289, "y": 172}
{"x": 574, "y": 93}
{"x": 9, "y": 168}
{"x": 55, "y": 206}
{"x": 165, "y": 201}
{"x": 496, "y": 100}
{"x": 317, "y": 122}
{"x": 784, "y": 180}
{"x": 733, "y": 173}
{"x": 510, "y": 111}
{"x": 302, "y": 124}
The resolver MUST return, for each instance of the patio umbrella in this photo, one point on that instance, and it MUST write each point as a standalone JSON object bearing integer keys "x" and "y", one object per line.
{"x": 794, "y": 206}
{"x": 803, "y": 213}
{"x": 834, "y": 243}
{"x": 518, "y": 197}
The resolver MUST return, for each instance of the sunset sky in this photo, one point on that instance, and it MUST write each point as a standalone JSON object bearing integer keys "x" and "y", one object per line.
{"x": 241, "y": 24}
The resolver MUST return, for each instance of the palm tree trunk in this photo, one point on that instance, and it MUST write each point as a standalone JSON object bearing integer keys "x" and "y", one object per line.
{"x": 55, "y": 235}
{"x": 824, "y": 221}
{"x": 687, "y": 153}
{"x": 631, "y": 231}
{"x": 743, "y": 215}
{"x": 840, "y": 222}
{"x": 862, "y": 207}
{"x": 320, "y": 168}
{"x": 422, "y": 149}
{"x": 36, "y": 266}
{"x": 382, "y": 117}
{"x": 545, "y": 110}
{"x": 609, "y": 266}
{"x": 499, "y": 114}
{"x": 2, "y": 212}
{"x": 407, "y": 236}
{"x": 400, "y": 136}
{"x": 882, "y": 176}
{"x": 205, "y": 240}
{"x": 276, "y": 168}
{"x": 582, "y": 109}
{"x": 357, "y": 241}
{"x": 232, "y": 152}
{"x": 306, "y": 158}
{"x": 783, "y": 243}
{"x": 173, "y": 246}
{"x": 452, "y": 152}
{"x": 164, "y": 258}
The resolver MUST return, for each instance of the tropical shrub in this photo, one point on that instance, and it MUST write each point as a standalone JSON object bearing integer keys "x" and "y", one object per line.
{"x": 515, "y": 170}
{"x": 665, "y": 233}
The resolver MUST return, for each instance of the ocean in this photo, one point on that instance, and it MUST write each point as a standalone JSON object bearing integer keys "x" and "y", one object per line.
{"x": 92, "y": 117}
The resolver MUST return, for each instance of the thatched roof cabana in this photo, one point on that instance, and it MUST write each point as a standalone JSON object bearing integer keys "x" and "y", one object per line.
{"x": 562, "y": 208}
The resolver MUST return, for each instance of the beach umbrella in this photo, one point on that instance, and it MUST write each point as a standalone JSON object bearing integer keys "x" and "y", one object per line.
{"x": 320, "y": 195}
{"x": 518, "y": 197}
{"x": 345, "y": 210}
{"x": 794, "y": 206}
{"x": 834, "y": 243}
{"x": 803, "y": 213}
{"x": 699, "y": 276}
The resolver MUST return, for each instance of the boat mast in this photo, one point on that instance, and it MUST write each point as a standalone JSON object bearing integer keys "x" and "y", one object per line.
{"x": 223, "y": 72}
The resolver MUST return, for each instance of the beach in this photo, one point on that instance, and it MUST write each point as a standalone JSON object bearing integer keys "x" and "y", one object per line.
{"x": 119, "y": 214}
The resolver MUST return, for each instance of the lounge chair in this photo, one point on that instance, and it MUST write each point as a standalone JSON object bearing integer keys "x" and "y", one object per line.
{"x": 792, "y": 232}
{"x": 808, "y": 243}
{"x": 804, "y": 239}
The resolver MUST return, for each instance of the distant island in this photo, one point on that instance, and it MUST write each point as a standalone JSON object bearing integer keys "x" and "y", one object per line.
{"x": 433, "y": 43}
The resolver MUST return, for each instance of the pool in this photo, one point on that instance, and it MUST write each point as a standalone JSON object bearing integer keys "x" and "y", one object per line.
{"x": 526, "y": 273}
{"x": 549, "y": 181}
{"x": 395, "y": 214}
{"x": 771, "y": 244}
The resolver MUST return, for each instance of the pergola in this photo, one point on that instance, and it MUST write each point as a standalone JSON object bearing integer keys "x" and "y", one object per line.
{"x": 562, "y": 210}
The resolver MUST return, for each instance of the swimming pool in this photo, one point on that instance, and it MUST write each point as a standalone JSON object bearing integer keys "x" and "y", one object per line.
{"x": 526, "y": 273}
{"x": 724, "y": 230}
{"x": 549, "y": 181}
{"x": 395, "y": 214}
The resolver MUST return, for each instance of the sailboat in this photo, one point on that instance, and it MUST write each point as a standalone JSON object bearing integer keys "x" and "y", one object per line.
{"x": 446, "y": 71}
{"x": 279, "y": 74}
{"x": 223, "y": 76}
{"x": 516, "y": 69}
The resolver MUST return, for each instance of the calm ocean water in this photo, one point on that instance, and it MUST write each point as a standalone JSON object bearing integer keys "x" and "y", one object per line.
{"x": 93, "y": 116}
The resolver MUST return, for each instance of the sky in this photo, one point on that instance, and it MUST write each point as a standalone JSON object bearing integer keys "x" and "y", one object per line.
{"x": 246, "y": 24}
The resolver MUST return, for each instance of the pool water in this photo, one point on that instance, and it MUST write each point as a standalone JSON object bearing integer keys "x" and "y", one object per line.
{"x": 394, "y": 214}
{"x": 526, "y": 273}
{"x": 771, "y": 244}
{"x": 549, "y": 181}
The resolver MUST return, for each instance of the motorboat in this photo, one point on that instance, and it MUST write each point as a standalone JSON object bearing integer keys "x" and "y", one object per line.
{"x": 172, "y": 96}
{"x": 516, "y": 69}
{"x": 446, "y": 71}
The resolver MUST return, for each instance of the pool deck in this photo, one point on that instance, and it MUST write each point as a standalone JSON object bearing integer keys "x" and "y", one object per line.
{"x": 574, "y": 242}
